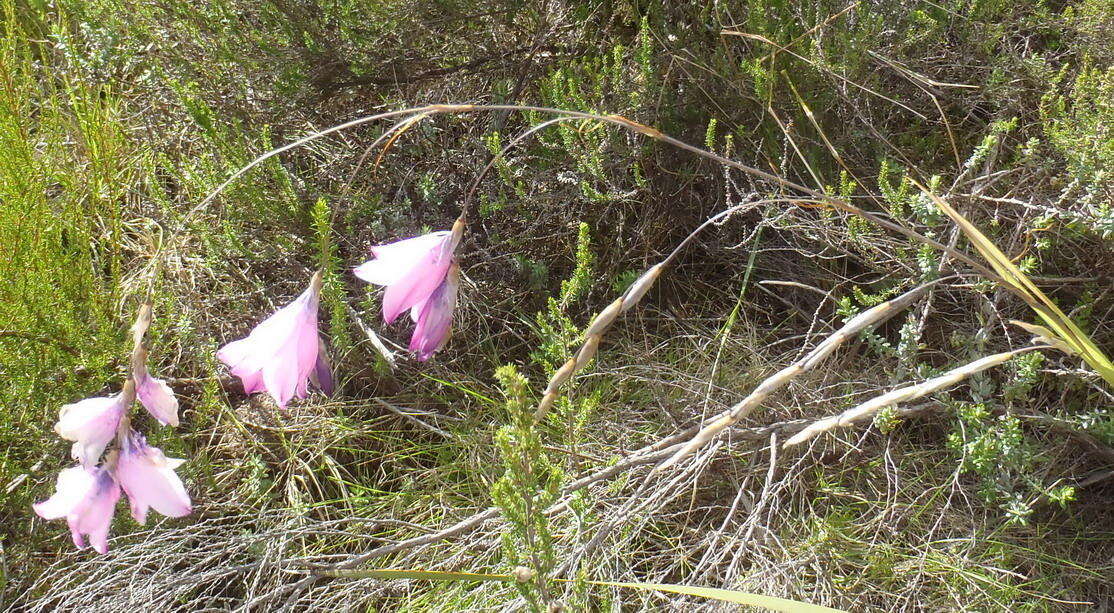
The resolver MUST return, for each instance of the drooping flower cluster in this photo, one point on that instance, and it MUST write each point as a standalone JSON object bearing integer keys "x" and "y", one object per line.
{"x": 86, "y": 494}
{"x": 282, "y": 355}
{"x": 420, "y": 274}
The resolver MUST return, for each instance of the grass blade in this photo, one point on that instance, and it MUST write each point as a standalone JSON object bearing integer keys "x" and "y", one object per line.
{"x": 712, "y": 593}
{"x": 1020, "y": 284}
{"x": 427, "y": 575}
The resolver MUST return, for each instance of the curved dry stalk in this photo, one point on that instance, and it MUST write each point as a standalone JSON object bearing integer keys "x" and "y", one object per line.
{"x": 633, "y": 294}
{"x": 904, "y": 394}
{"x": 779, "y": 379}
{"x": 467, "y": 205}
{"x": 639, "y": 288}
{"x": 392, "y": 132}
{"x": 623, "y": 122}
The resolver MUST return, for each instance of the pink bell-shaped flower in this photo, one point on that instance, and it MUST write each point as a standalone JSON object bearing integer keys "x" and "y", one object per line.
{"x": 155, "y": 395}
{"x": 149, "y": 480}
{"x": 91, "y": 424}
{"x": 86, "y": 497}
{"x": 436, "y": 317}
{"x": 411, "y": 269}
{"x": 283, "y": 352}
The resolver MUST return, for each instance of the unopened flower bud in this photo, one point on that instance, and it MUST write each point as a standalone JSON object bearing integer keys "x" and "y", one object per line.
{"x": 522, "y": 574}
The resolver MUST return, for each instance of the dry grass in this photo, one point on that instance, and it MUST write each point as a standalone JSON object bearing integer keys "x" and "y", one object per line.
{"x": 396, "y": 470}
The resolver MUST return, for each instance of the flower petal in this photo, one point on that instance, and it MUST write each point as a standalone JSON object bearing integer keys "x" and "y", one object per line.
{"x": 95, "y": 518}
{"x": 238, "y": 356}
{"x": 253, "y": 382}
{"x": 72, "y": 486}
{"x": 416, "y": 310}
{"x": 394, "y": 261}
{"x": 415, "y": 287}
{"x": 157, "y": 397}
{"x": 435, "y": 322}
{"x": 280, "y": 378}
{"x": 411, "y": 269}
{"x": 86, "y": 497}
{"x": 91, "y": 424}
{"x": 322, "y": 375}
{"x": 148, "y": 478}
{"x": 279, "y": 354}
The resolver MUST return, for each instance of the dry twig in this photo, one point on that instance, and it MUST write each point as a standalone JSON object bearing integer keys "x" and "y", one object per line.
{"x": 779, "y": 379}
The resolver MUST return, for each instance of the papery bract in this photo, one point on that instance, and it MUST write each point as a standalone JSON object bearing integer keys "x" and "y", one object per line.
{"x": 322, "y": 373}
{"x": 149, "y": 480}
{"x": 436, "y": 317}
{"x": 411, "y": 269}
{"x": 91, "y": 424}
{"x": 281, "y": 353}
{"x": 86, "y": 497}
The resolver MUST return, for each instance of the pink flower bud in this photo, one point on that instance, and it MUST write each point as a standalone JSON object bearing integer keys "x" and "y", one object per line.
{"x": 157, "y": 397}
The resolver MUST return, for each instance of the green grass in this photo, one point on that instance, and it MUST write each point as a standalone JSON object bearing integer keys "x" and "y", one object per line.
{"x": 66, "y": 169}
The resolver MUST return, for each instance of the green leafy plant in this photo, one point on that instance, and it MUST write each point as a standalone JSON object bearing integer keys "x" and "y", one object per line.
{"x": 529, "y": 485}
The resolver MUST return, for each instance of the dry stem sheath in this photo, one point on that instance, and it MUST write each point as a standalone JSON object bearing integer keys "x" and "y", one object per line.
{"x": 595, "y": 331}
{"x": 773, "y": 383}
{"x": 903, "y": 394}
{"x": 137, "y": 367}
{"x": 593, "y": 336}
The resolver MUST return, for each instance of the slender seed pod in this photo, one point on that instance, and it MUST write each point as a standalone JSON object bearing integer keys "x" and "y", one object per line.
{"x": 588, "y": 351}
{"x": 604, "y": 319}
{"x": 641, "y": 285}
